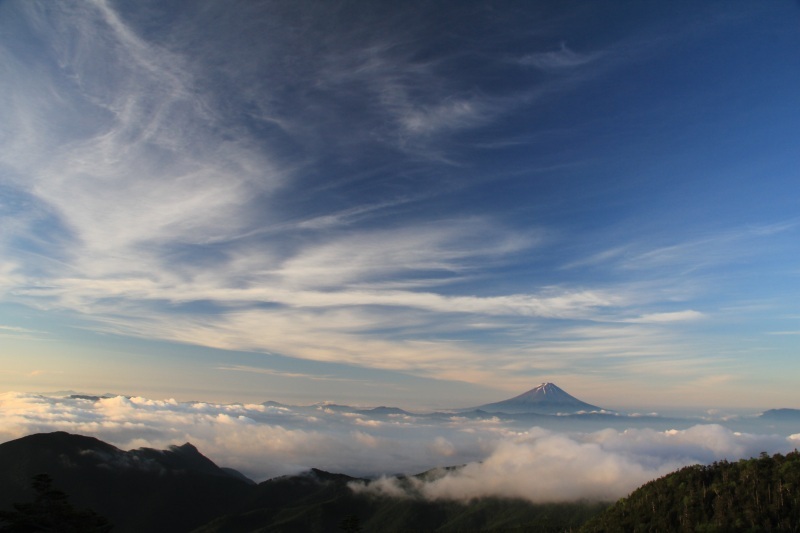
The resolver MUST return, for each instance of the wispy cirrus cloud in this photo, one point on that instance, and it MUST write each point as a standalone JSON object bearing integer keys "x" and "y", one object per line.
{"x": 279, "y": 373}
{"x": 140, "y": 169}
{"x": 562, "y": 59}
{"x": 665, "y": 253}
{"x": 722, "y": 247}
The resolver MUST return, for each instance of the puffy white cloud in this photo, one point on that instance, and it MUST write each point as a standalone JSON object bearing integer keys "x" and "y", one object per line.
{"x": 545, "y": 466}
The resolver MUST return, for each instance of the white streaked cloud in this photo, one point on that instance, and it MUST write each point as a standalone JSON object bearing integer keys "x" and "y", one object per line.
{"x": 16, "y": 330}
{"x": 673, "y": 316}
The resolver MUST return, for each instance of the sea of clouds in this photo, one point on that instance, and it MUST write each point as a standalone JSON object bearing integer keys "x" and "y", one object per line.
{"x": 498, "y": 458}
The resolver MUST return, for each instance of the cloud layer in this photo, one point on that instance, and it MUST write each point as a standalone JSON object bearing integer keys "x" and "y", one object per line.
{"x": 500, "y": 459}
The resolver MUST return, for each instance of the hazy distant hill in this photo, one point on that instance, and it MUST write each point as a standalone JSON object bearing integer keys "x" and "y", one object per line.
{"x": 791, "y": 415}
{"x": 384, "y": 411}
{"x": 547, "y": 398}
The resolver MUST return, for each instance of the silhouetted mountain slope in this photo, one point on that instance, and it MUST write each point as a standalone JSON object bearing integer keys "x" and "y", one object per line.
{"x": 760, "y": 494}
{"x": 547, "y": 398}
{"x": 140, "y": 490}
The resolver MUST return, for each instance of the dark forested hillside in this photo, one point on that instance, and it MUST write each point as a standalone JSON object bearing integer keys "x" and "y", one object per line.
{"x": 323, "y": 502}
{"x": 759, "y": 494}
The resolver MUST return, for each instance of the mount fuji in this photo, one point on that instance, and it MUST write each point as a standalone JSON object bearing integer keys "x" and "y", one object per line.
{"x": 547, "y": 398}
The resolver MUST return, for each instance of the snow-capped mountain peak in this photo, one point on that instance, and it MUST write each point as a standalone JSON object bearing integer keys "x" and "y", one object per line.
{"x": 547, "y": 398}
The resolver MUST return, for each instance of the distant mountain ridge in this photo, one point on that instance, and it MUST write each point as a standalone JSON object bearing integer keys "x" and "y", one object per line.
{"x": 547, "y": 398}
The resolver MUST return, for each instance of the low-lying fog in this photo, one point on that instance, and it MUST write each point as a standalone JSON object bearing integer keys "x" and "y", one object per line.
{"x": 536, "y": 458}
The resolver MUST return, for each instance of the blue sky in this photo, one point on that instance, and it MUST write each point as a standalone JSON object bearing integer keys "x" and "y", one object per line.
{"x": 431, "y": 204}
